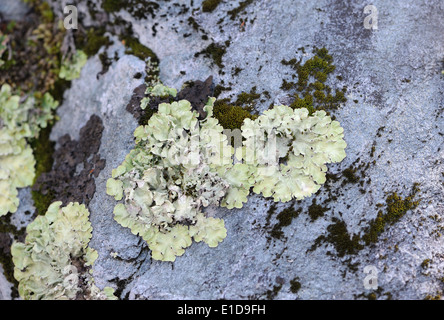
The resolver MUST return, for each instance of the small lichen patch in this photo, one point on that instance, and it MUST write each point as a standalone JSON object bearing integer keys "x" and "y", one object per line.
{"x": 55, "y": 260}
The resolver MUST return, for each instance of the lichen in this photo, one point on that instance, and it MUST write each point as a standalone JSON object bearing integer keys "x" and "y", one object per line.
{"x": 19, "y": 122}
{"x": 297, "y": 145}
{"x": 55, "y": 260}
{"x": 163, "y": 194}
{"x": 72, "y": 67}
{"x": 183, "y": 163}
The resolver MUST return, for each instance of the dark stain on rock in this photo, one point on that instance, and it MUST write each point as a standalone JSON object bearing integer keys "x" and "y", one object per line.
{"x": 76, "y": 165}
{"x": 196, "y": 92}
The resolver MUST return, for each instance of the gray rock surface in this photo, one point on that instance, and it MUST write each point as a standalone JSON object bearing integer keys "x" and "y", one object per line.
{"x": 393, "y": 73}
{"x": 12, "y": 9}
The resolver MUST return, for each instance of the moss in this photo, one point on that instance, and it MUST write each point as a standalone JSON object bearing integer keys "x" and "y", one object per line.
{"x": 346, "y": 244}
{"x": 350, "y": 175}
{"x": 396, "y": 209}
{"x": 210, "y": 5}
{"x": 311, "y": 92}
{"x": 285, "y": 217}
{"x": 339, "y": 237}
{"x": 137, "y": 49}
{"x": 316, "y": 211}
{"x": 433, "y": 297}
{"x": 36, "y": 55}
{"x": 425, "y": 264}
{"x": 372, "y": 152}
{"x": 218, "y": 90}
{"x": 236, "y": 71}
{"x": 92, "y": 41}
{"x": 295, "y": 285}
{"x": 7, "y": 232}
{"x": 271, "y": 294}
{"x": 247, "y": 98}
{"x": 43, "y": 149}
{"x": 236, "y": 11}
{"x": 215, "y": 52}
{"x": 192, "y": 22}
{"x": 45, "y": 12}
{"x": 140, "y": 9}
{"x": 112, "y": 5}
{"x": 146, "y": 116}
{"x": 231, "y": 116}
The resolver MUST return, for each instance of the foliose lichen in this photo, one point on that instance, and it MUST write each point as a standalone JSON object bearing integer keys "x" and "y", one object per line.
{"x": 19, "y": 121}
{"x": 72, "y": 67}
{"x": 165, "y": 181}
{"x": 298, "y": 145}
{"x": 55, "y": 260}
{"x": 181, "y": 165}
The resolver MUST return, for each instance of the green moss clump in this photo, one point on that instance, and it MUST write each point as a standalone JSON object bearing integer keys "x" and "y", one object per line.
{"x": 346, "y": 244}
{"x": 245, "y": 98}
{"x": 316, "y": 211}
{"x": 350, "y": 175}
{"x": 425, "y": 264}
{"x": 139, "y": 9}
{"x": 43, "y": 149}
{"x": 92, "y": 41}
{"x": 218, "y": 90}
{"x": 295, "y": 285}
{"x": 311, "y": 92}
{"x": 146, "y": 116}
{"x": 231, "y": 116}
{"x": 45, "y": 11}
{"x": 236, "y": 11}
{"x": 112, "y": 5}
{"x": 285, "y": 217}
{"x": 210, "y": 5}
{"x": 339, "y": 237}
{"x": 215, "y": 52}
{"x": 137, "y": 49}
{"x": 396, "y": 209}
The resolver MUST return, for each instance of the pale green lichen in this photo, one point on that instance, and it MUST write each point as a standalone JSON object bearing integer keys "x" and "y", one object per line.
{"x": 296, "y": 148}
{"x": 72, "y": 67}
{"x": 4, "y": 39}
{"x": 181, "y": 165}
{"x": 19, "y": 121}
{"x": 170, "y": 176}
{"x": 158, "y": 90}
{"x": 55, "y": 260}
